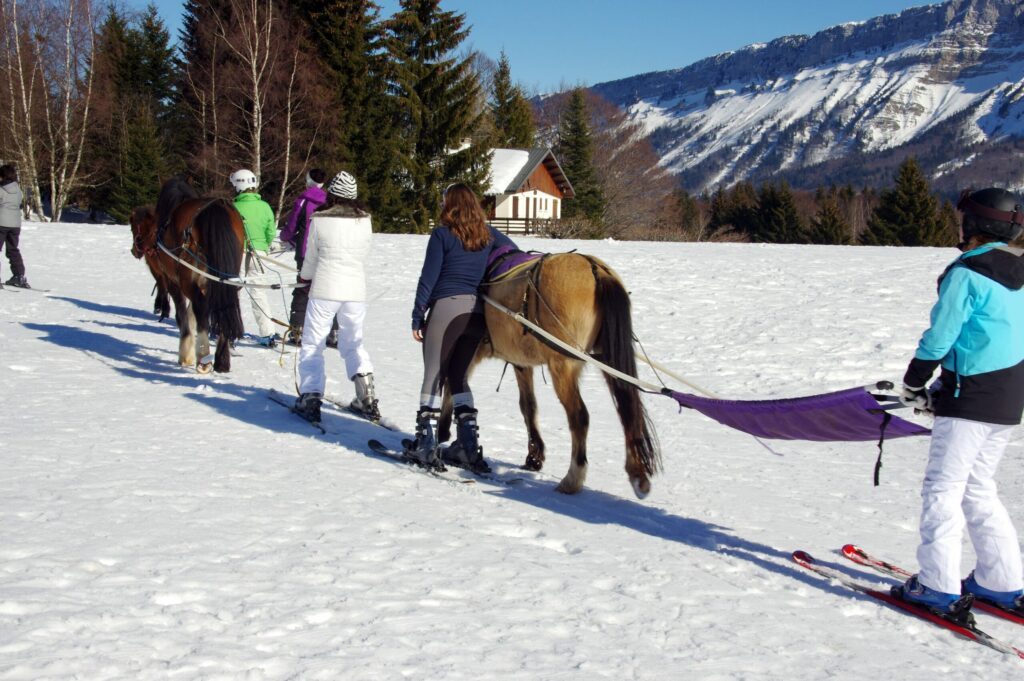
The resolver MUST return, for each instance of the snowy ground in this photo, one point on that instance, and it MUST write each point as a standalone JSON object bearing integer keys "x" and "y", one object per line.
{"x": 156, "y": 524}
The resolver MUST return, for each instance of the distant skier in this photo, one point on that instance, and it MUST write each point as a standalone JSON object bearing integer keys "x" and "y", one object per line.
{"x": 260, "y": 230}
{"x": 295, "y": 234}
{"x": 977, "y": 337}
{"x": 10, "y": 224}
{"x": 337, "y": 246}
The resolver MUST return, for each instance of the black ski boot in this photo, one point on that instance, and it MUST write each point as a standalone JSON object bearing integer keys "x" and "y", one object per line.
{"x": 365, "y": 402}
{"x": 307, "y": 405}
{"x": 466, "y": 451}
{"x": 19, "y": 281}
{"x": 424, "y": 449}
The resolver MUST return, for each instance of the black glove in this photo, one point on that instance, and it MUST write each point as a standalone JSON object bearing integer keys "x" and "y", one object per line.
{"x": 918, "y": 398}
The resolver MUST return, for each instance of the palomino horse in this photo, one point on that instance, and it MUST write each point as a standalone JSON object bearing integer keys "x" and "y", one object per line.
{"x": 205, "y": 235}
{"x": 581, "y": 301}
{"x": 143, "y": 222}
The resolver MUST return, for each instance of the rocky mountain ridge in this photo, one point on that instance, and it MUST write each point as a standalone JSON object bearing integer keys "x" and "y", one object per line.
{"x": 944, "y": 83}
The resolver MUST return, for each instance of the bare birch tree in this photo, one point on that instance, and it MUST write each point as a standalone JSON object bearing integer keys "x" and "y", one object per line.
{"x": 47, "y": 51}
{"x": 22, "y": 83}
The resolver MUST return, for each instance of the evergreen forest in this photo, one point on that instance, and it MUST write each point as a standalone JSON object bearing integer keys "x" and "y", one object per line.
{"x": 100, "y": 105}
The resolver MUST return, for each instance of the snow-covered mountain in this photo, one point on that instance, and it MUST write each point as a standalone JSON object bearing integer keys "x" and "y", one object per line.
{"x": 943, "y": 82}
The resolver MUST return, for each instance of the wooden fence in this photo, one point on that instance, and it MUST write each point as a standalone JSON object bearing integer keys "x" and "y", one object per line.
{"x": 521, "y": 225}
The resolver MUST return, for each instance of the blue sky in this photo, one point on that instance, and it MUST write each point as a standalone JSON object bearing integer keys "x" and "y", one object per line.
{"x": 555, "y": 42}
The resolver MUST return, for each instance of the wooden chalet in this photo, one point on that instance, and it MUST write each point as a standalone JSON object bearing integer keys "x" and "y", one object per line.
{"x": 526, "y": 186}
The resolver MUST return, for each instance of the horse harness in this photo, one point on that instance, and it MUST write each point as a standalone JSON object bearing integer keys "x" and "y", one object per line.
{"x": 529, "y": 306}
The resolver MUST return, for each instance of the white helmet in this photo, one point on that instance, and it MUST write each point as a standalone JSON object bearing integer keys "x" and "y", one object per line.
{"x": 343, "y": 186}
{"x": 243, "y": 179}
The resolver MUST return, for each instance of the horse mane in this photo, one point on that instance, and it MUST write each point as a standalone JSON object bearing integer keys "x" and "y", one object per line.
{"x": 174, "y": 192}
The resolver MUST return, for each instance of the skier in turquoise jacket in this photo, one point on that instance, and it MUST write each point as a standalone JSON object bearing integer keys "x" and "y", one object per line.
{"x": 977, "y": 338}
{"x": 260, "y": 230}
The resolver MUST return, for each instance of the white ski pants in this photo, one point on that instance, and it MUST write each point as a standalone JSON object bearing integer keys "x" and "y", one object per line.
{"x": 319, "y": 313}
{"x": 959, "y": 489}
{"x": 256, "y": 273}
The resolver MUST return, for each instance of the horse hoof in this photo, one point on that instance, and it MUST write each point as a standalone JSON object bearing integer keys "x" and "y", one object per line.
{"x": 204, "y": 367}
{"x": 533, "y": 463}
{"x": 566, "y": 488}
{"x": 641, "y": 487}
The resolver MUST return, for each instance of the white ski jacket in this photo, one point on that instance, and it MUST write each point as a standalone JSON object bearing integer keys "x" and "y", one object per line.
{"x": 336, "y": 250}
{"x": 10, "y": 205}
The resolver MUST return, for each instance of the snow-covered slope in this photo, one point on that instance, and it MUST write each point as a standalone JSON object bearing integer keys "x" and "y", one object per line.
{"x": 156, "y": 524}
{"x": 942, "y": 82}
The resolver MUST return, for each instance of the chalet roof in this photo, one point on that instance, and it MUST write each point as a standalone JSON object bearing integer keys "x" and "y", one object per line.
{"x": 510, "y": 168}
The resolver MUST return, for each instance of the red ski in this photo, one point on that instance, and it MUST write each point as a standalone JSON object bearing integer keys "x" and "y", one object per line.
{"x": 862, "y": 557}
{"x": 965, "y": 630}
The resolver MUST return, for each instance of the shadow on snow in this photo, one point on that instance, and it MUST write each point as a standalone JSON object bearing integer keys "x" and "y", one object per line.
{"x": 249, "y": 404}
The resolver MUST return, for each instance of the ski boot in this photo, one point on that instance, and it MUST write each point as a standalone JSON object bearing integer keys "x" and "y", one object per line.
{"x": 332, "y": 338}
{"x": 466, "y": 451}
{"x": 1012, "y": 601}
{"x": 365, "y": 402}
{"x": 953, "y": 607}
{"x": 19, "y": 281}
{"x": 424, "y": 449}
{"x": 307, "y": 405}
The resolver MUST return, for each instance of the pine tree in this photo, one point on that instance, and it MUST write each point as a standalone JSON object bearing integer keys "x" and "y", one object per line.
{"x": 777, "y": 218}
{"x": 158, "y": 73}
{"x": 828, "y": 225}
{"x": 906, "y": 214}
{"x": 947, "y": 227}
{"x": 133, "y": 70}
{"x": 576, "y": 150}
{"x": 141, "y": 160}
{"x": 440, "y": 105}
{"x": 513, "y": 115}
{"x": 360, "y": 135}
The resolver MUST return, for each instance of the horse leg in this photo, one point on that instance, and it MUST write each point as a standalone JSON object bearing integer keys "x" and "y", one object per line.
{"x": 162, "y": 304}
{"x": 565, "y": 374}
{"x": 528, "y": 407}
{"x": 186, "y": 328}
{"x": 201, "y": 310}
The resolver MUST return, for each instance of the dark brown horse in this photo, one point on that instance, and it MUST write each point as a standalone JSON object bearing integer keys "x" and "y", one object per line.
{"x": 581, "y": 301}
{"x": 205, "y": 238}
{"x": 143, "y": 222}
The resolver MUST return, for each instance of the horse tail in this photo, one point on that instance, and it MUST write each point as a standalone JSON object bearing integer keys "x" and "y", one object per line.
{"x": 614, "y": 345}
{"x": 223, "y": 258}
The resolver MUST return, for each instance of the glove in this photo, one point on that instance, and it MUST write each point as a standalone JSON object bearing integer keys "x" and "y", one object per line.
{"x": 918, "y": 398}
{"x": 287, "y": 245}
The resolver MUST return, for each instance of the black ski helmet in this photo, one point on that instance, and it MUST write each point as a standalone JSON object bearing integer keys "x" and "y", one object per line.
{"x": 991, "y": 211}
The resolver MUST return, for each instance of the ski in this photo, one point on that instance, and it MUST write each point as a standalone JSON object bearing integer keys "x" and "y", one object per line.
{"x": 862, "y": 557}
{"x": 289, "y": 404}
{"x": 347, "y": 409}
{"x": 965, "y": 630}
{"x": 380, "y": 448}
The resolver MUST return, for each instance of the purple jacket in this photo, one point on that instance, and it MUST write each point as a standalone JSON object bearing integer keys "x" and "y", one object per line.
{"x": 306, "y": 204}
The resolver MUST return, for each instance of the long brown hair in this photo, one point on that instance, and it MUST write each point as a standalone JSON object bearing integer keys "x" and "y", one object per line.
{"x": 462, "y": 214}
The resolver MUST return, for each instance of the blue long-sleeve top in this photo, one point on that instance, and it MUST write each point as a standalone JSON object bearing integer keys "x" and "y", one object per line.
{"x": 451, "y": 270}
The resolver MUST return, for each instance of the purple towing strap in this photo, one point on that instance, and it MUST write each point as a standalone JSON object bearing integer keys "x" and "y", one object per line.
{"x": 851, "y": 415}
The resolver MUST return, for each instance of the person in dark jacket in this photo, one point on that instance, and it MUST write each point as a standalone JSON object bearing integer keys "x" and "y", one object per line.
{"x": 453, "y": 269}
{"x": 977, "y": 338}
{"x": 10, "y": 224}
{"x": 295, "y": 235}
